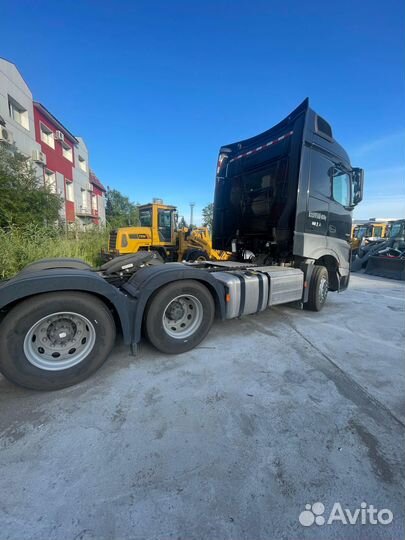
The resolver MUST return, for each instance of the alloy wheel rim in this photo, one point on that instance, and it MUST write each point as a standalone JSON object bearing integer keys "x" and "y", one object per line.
{"x": 182, "y": 316}
{"x": 59, "y": 341}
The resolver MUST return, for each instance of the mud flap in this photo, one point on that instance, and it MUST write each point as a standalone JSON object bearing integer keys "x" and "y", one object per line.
{"x": 388, "y": 267}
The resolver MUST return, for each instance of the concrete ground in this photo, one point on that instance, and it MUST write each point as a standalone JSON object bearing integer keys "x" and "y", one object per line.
{"x": 229, "y": 441}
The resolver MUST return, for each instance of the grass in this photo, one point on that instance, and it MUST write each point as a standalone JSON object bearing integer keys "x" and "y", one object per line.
{"x": 20, "y": 246}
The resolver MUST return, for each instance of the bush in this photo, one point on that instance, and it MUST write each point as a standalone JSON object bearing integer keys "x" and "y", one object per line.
{"x": 20, "y": 246}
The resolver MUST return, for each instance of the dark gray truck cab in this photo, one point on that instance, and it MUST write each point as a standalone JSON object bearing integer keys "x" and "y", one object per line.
{"x": 286, "y": 197}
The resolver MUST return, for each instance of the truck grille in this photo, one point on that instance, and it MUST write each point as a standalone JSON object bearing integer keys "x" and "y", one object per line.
{"x": 113, "y": 241}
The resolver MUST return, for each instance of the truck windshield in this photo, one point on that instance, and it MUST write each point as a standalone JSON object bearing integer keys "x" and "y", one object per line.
{"x": 145, "y": 217}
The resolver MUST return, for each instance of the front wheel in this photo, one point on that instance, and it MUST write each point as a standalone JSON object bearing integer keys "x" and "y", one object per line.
{"x": 179, "y": 316}
{"x": 55, "y": 340}
{"x": 318, "y": 289}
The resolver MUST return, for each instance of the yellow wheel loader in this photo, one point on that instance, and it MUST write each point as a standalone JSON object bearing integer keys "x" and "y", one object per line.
{"x": 158, "y": 232}
{"x": 368, "y": 232}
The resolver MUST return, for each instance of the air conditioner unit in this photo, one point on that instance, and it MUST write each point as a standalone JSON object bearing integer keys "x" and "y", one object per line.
{"x": 88, "y": 186}
{"x": 5, "y": 135}
{"x": 59, "y": 136}
{"x": 39, "y": 157}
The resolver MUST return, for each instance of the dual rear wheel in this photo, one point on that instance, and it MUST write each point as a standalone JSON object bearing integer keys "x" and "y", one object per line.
{"x": 179, "y": 316}
{"x": 55, "y": 340}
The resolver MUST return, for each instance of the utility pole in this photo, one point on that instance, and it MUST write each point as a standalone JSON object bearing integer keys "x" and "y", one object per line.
{"x": 191, "y": 213}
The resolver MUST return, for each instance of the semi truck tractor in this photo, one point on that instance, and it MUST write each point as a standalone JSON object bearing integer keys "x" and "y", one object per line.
{"x": 282, "y": 206}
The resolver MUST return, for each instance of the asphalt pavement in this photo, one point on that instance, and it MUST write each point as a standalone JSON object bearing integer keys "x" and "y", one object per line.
{"x": 271, "y": 413}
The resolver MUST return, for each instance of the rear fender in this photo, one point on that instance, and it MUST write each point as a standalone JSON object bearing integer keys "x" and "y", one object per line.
{"x": 29, "y": 284}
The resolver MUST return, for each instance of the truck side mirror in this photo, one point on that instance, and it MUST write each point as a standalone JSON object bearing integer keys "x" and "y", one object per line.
{"x": 357, "y": 185}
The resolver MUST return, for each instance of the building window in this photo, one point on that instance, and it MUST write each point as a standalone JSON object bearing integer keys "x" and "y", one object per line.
{"x": 69, "y": 191}
{"x": 47, "y": 135}
{"x": 50, "y": 180}
{"x": 84, "y": 200}
{"x": 67, "y": 151}
{"x": 82, "y": 164}
{"x": 94, "y": 202}
{"x": 18, "y": 113}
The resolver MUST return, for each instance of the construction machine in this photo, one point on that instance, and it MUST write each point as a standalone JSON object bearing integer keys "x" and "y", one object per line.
{"x": 368, "y": 232}
{"x": 158, "y": 232}
{"x": 384, "y": 258}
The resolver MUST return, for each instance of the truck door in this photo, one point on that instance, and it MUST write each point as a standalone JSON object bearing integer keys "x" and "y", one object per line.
{"x": 340, "y": 219}
{"x": 328, "y": 203}
{"x": 319, "y": 194}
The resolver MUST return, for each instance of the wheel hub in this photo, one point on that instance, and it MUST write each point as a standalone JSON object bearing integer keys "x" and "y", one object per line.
{"x": 175, "y": 311}
{"x": 182, "y": 316}
{"x": 61, "y": 332}
{"x": 323, "y": 289}
{"x": 59, "y": 341}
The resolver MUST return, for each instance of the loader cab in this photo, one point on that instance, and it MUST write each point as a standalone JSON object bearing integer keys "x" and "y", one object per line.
{"x": 161, "y": 219}
{"x": 397, "y": 229}
{"x": 397, "y": 234}
{"x": 369, "y": 232}
{"x": 287, "y": 195}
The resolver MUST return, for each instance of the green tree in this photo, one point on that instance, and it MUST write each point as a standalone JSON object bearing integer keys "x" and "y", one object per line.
{"x": 119, "y": 210}
{"x": 24, "y": 199}
{"x": 208, "y": 216}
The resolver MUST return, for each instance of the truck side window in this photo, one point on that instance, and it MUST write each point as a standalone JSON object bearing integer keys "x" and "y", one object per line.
{"x": 320, "y": 176}
{"x": 341, "y": 187}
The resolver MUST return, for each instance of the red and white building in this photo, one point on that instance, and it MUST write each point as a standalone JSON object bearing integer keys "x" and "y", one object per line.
{"x": 97, "y": 199}
{"x": 61, "y": 159}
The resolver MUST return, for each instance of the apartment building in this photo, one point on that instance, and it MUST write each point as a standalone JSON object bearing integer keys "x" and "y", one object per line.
{"x": 61, "y": 159}
{"x": 17, "y": 112}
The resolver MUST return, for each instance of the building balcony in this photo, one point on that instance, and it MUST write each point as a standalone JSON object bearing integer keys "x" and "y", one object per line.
{"x": 83, "y": 211}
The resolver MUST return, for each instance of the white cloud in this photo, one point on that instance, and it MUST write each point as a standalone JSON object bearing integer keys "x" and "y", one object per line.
{"x": 378, "y": 144}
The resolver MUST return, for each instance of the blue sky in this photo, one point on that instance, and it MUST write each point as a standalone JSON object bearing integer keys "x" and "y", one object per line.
{"x": 155, "y": 88}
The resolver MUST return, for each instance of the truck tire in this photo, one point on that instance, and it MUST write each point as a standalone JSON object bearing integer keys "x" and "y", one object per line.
{"x": 179, "y": 316}
{"x": 54, "y": 340}
{"x": 195, "y": 255}
{"x": 318, "y": 289}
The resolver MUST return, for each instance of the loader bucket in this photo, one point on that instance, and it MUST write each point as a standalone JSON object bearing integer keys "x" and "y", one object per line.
{"x": 388, "y": 267}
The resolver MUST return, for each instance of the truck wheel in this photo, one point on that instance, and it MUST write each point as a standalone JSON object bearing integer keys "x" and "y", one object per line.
{"x": 318, "y": 289}
{"x": 179, "y": 316}
{"x": 196, "y": 255}
{"x": 56, "y": 339}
